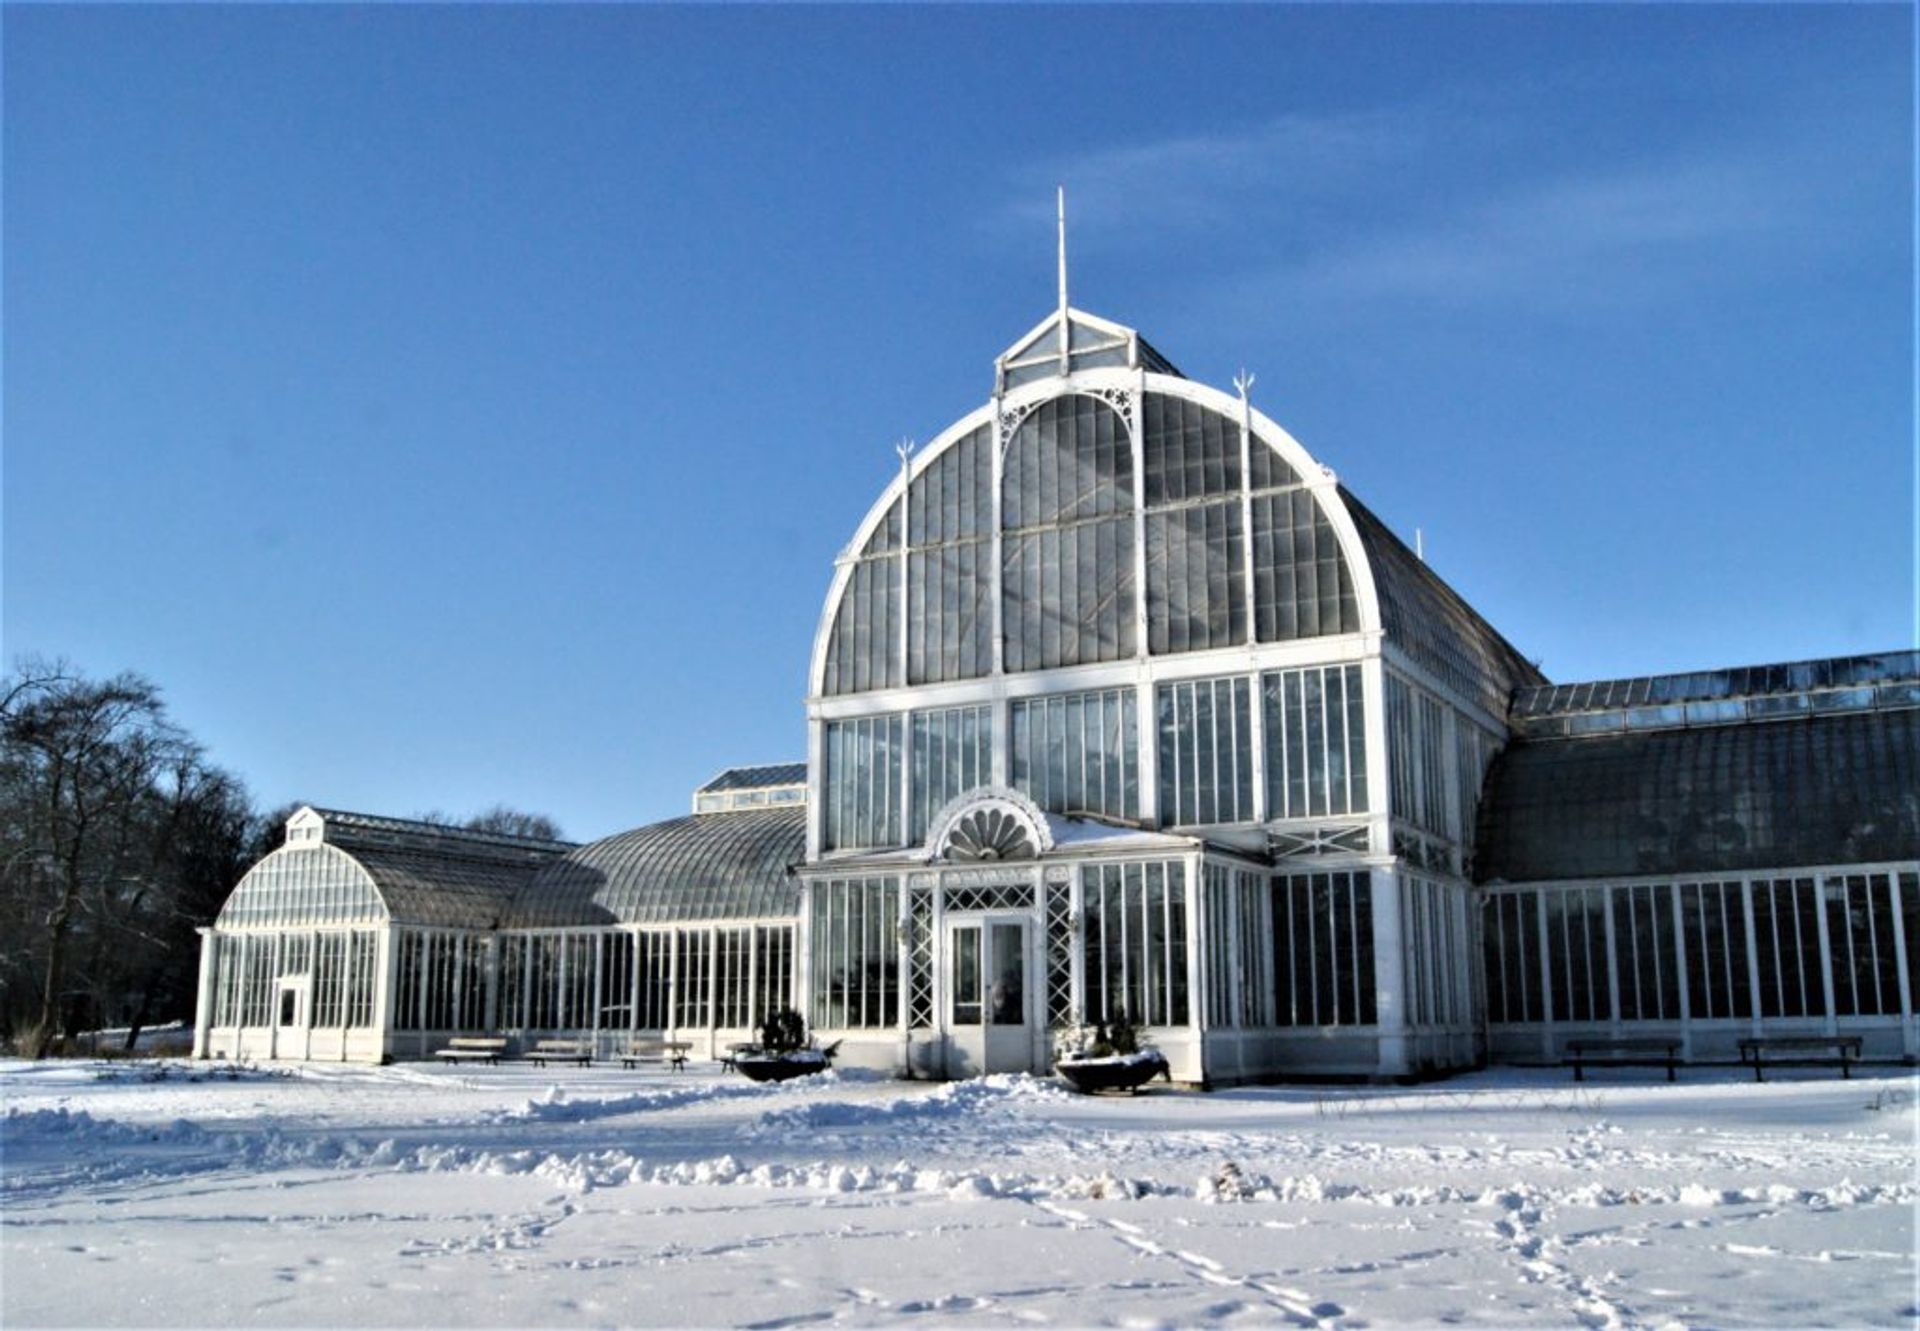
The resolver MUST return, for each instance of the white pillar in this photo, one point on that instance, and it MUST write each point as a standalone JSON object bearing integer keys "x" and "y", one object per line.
{"x": 386, "y": 995}
{"x": 1389, "y": 974}
{"x": 203, "y": 994}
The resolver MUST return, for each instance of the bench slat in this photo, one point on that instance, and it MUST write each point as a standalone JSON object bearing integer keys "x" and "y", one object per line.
{"x": 672, "y": 1052}
{"x": 1624, "y": 1051}
{"x": 1845, "y": 1048}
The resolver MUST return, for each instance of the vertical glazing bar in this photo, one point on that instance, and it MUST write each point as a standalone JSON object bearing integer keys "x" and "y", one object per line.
{"x": 1819, "y": 888}
{"x": 1873, "y": 939}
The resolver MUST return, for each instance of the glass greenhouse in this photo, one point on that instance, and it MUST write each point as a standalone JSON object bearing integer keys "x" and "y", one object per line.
{"x": 1121, "y": 704}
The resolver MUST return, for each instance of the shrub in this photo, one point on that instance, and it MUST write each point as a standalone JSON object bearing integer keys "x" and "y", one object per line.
{"x": 783, "y": 1032}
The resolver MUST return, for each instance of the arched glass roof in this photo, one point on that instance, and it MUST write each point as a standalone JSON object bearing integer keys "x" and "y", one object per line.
{"x": 705, "y": 867}
{"x": 1433, "y": 624}
{"x": 298, "y": 885}
{"x": 1238, "y": 545}
{"x": 1812, "y": 790}
{"x": 370, "y": 870}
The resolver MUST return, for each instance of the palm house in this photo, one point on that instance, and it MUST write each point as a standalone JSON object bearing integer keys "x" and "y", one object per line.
{"x": 1122, "y": 706}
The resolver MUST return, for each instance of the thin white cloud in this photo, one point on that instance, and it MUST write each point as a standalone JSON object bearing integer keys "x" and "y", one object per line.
{"x": 1197, "y": 181}
{"x": 1438, "y": 205}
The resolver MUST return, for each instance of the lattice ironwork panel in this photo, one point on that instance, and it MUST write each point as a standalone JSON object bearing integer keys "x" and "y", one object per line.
{"x": 1059, "y": 954}
{"x": 1006, "y": 896}
{"x": 920, "y": 962}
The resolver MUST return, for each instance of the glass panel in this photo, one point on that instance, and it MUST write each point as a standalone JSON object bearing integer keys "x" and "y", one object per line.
{"x": 1206, "y": 752}
{"x": 966, "y": 976}
{"x": 952, "y": 753}
{"x": 1006, "y": 1000}
{"x": 1079, "y": 753}
{"x": 1787, "y": 948}
{"x": 1716, "y": 939}
{"x": 1302, "y": 587}
{"x": 1067, "y": 552}
{"x": 862, "y": 782}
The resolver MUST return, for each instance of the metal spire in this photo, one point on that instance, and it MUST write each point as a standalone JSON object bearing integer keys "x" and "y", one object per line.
{"x": 1060, "y": 200}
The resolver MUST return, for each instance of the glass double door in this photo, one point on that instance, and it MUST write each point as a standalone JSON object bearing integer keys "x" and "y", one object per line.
{"x": 989, "y": 996}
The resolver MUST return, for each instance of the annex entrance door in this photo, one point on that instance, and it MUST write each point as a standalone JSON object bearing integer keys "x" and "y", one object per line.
{"x": 990, "y": 996}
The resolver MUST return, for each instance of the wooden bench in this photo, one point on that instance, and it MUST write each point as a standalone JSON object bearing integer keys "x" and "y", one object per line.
{"x": 473, "y": 1049}
{"x": 1842, "y": 1049}
{"x": 734, "y": 1051}
{"x": 559, "y": 1051}
{"x": 1623, "y": 1052}
{"x": 671, "y": 1052}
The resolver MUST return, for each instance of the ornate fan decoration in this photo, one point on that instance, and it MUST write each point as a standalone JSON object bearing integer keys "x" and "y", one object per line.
{"x": 990, "y": 834}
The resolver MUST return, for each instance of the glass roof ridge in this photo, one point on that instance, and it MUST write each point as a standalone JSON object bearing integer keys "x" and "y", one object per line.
{"x": 749, "y": 776}
{"x": 1887, "y": 678}
{"x": 347, "y": 829}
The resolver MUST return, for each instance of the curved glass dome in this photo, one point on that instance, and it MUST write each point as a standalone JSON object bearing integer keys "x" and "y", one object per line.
{"x": 722, "y": 866}
{"x": 372, "y": 870}
{"x": 1083, "y": 540}
{"x": 303, "y": 885}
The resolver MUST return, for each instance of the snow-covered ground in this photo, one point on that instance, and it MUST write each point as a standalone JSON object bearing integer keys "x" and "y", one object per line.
{"x": 166, "y": 1195}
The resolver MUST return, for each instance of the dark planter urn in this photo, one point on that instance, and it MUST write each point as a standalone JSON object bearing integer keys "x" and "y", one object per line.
{"x": 1116, "y": 1072}
{"x": 781, "y": 1067}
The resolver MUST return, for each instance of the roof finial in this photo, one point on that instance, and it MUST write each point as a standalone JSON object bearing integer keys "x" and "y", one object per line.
{"x": 1060, "y": 201}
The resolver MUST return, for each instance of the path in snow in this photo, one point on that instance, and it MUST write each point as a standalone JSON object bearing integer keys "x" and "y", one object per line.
{"x": 509, "y": 1196}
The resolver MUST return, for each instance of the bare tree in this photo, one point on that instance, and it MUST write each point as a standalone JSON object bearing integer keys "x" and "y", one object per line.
{"x": 501, "y": 818}
{"x": 514, "y": 822}
{"x": 119, "y": 838}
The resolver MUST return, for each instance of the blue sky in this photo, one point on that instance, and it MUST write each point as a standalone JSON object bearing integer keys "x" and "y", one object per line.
{"x": 457, "y": 405}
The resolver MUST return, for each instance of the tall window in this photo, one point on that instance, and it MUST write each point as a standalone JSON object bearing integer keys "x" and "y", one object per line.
{"x": 1715, "y": 928}
{"x": 1196, "y": 552}
{"x": 654, "y": 957}
{"x": 1206, "y": 752}
{"x": 406, "y": 1003}
{"x": 693, "y": 1007}
{"x": 1323, "y": 950}
{"x": 773, "y": 971}
{"x": 1866, "y": 968}
{"x": 362, "y": 960}
{"x": 616, "y": 981}
{"x": 863, "y": 650}
{"x": 863, "y": 782}
{"x": 1786, "y": 928}
{"x": 1301, "y": 585}
{"x": 1067, "y": 593}
{"x": 1218, "y": 941}
{"x": 1135, "y": 954}
{"x": 1577, "y": 954}
{"x": 1256, "y": 987}
{"x": 1316, "y": 721}
{"x": 513, "y": 982}
{"x": 330, "y": 980}
{"x": 1649, "y": 978}
{"x": 952, "y": 753}
{"x": 950, "y": 564}
{"x": 1512, "y": 949}
{"x": 856, "y": 953}
{"x": 1079, "y": 752}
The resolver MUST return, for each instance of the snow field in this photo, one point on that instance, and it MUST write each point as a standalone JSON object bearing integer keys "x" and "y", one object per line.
{"x": 168, "y": 1196}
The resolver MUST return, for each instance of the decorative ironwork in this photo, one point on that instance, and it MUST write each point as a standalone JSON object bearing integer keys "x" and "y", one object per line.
{"x": 1010, "y": 422}
{"x": 1421, "y": 852}
{"x": 1121, "y": 400}
{"x": 990, "y": 834}
{"x": 995, "y": 896}
{"x": 1059, "y": 954}
{"x": 920, "y": 960}
{"x": 1331, "y": 840}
